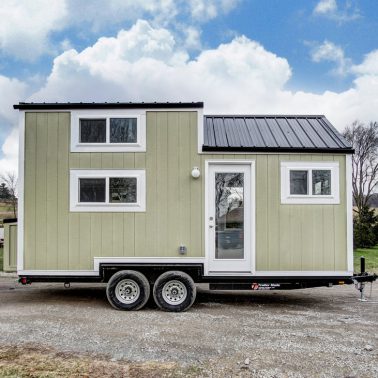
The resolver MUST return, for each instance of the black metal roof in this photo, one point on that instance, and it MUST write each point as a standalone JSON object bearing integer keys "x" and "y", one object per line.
{"x": 281, "y": 133}
{"x": 106, "y": 105}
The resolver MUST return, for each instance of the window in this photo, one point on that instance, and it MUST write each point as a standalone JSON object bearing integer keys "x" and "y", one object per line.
{"x": 107, "y": 190}
{"x": 115, "y": 131}
{"x": 310, "y": 182}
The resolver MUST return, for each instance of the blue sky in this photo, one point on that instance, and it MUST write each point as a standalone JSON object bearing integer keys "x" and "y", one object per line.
{"x": 286, "y": 56}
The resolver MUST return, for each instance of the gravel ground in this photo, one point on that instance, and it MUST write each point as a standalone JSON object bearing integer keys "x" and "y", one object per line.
{"x": 323, "y": 332}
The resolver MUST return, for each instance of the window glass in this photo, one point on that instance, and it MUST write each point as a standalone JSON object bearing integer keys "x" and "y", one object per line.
{"x": 229, "y": 216}
{"x": 298, "y": 182}
{"x": 92, "y": 130}
{"x": 321, "y": 182}
{"x": 92, "y": 189}
{"x": 123, "y": 130}
{"x": 123, "y": 189}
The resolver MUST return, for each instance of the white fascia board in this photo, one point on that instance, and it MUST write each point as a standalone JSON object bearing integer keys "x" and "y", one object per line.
{"x": 21, "y": 179}
{"x": 349, "y": 210}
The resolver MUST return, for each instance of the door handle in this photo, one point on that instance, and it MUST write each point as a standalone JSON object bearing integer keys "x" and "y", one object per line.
{"x": 211, "y": 222}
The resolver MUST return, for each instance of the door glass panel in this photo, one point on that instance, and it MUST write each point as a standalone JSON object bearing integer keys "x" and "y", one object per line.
{"x": 229, "y": 215}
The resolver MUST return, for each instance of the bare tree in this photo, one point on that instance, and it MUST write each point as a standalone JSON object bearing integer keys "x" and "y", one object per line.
{"x": 10, "y": 180}
{"x": 364, "y": 139}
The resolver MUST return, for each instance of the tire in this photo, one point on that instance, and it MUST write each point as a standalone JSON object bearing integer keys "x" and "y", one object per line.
{"x": 128, "y": 290}
{"x": 174, "y": 291}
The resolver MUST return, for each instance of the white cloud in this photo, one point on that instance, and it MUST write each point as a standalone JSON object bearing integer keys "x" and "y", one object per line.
{"x": 369, "y": 66}
{"x": 192, "y": 38}
{"x": 331, "y": 10}
{"x": 328, "y": 51}
{"x": 114, "y": 12}
{"x": 147, "y": 64}
{"x": 12, "y": 91}
{"x": 326, "y": 6}
{"x": 204, "y": 10}
{"x": 9, "y": 162}
{"x": 26, "y": 25}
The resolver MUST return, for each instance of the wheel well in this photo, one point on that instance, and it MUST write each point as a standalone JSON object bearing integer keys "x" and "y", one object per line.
{"x": 152, "y": 271}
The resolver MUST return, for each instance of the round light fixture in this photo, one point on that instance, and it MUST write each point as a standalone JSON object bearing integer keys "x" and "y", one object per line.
{"x": 196, "y": 172}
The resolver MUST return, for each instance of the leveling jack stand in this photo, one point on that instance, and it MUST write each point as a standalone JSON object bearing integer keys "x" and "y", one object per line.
{"x": 360, "y": 286}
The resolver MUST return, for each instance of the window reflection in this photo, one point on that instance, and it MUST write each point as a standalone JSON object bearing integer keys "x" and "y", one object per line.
{"x": 229, "y": 215}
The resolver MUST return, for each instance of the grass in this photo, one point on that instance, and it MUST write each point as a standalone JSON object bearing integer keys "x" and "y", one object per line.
{"x": 25, "y": 361}
{"x": 1, "y": 259}
{"x": 371, "y": 259}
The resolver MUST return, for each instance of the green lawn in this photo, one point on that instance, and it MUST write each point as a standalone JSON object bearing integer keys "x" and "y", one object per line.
{"x": 1, "y": 258}
{"x": 371, "y": 259}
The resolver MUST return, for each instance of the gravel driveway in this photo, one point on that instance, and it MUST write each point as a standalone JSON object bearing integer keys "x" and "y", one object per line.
{"x": 322, "y": 332}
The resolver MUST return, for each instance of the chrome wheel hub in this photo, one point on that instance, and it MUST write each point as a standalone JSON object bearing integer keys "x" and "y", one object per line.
{"x": 174, "y": 292}
{"x": 127, "y": 291}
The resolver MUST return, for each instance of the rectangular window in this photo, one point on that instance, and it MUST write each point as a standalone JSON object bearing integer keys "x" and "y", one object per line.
{"x": 123, "y": 189}
{"x": 310, "y": 182}
{"x": 92, "y": 130}
{"x": 123, "y": 130}
{"x": 298, "y": 182}
{"x": 100, "y": 190}
{"x": 92, "y": 190}
{"x": 108, "y": 131}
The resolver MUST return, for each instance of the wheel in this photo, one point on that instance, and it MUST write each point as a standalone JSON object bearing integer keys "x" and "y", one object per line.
{"x": 128, "y": 290}
{"x": 174, "y": 291}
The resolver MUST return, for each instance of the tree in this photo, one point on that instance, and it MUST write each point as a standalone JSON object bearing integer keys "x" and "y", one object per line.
{"x": 10, "y": 181}
{"x": 365, "y": 228}
{"x": 4, "y": 192}
{"x": 364, "y": 139}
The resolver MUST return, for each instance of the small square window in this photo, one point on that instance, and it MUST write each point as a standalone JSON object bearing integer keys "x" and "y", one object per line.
{"x": 321, "y": 182}
{"x": 92, "y": 189}
{"x": 123, "y": 130}
{"x": 108, "y": 190}
{"x": 298, "y": 182}
{"x": 117, "y": 130}
{"x": 310, "y": 182}
{"x": 92, "y": 130}
{"x": 123, "y": 189}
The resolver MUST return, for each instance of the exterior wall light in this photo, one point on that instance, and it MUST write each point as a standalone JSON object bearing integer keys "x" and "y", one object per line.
{"x": 196, "y": 172}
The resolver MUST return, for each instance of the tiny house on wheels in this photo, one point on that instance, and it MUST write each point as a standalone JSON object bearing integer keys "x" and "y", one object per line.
{"x": 155, "y": 197}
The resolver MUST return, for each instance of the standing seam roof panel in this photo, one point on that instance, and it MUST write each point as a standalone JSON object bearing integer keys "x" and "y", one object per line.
{"x": 232, "y": 136}
{"x": 312, "y": 133}
{"x": 296, "y": 125}
{"x": 245, "y": 138}
{"x": 264, "y": 131}
{"x": 253, "y": 132}
{"x": 285, "y": 133}
{"x": 288, "y": 132}
{"x": 220, "y": 133}
{"x": 277, "y": 132}
{"x": 336, "y": 135}
{"x": 324, "y": 136}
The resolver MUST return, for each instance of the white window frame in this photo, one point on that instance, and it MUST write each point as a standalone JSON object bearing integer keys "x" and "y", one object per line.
{"x": 139, "y": 146}
{"x": 287, "y": 198}
{"x": 76, "y": 206}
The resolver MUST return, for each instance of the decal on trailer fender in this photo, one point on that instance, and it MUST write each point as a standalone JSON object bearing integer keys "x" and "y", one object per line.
{"x": 265, "y": 286}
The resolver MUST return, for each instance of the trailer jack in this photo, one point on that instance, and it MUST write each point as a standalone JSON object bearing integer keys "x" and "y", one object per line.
{"x": 361, "y": 279}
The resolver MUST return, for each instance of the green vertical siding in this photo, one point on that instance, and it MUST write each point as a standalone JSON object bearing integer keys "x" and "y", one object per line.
{"x": 288, "y": 237}
{"x": 10, "y": 247}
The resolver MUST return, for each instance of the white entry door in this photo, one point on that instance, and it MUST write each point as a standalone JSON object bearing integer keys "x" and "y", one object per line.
{"x": 229, "y": 218}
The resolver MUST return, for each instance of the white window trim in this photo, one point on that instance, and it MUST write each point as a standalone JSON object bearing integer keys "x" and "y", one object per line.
{"x": 76, "y": 206}
{"x": 287, "y": 198}
{"x": 139, "y": 146}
